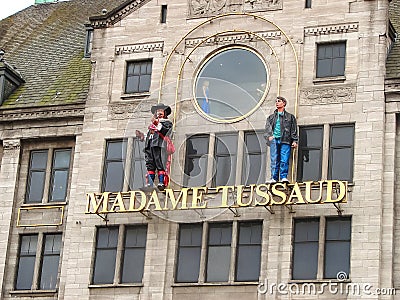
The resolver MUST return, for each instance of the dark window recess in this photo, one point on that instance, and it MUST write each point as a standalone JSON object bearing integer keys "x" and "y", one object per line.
{"x": 138, "y": 76}
{"x": 134, "y": 254}
{"x": 36, "y": 176}
{"x": 50, "y": 261}
{"x": 308, "y": 4}
{"x": 331, "y": 59}
{"x": 305, "y": 249}
{"x": 225, "y": 159}
{"x": 26, "y": 262}
{"x": 106, "y": 252}
{"x": 60, "y": 174}
{"x": 10, "y": 78}
{"x": 163, "y": 18}
{"x": 88, "y": 42}
{"x": 248, "y": 255}
{"x": 254, "y": 158}
{"x": 310, "y": 153}
{"x": 219, "y": 252}
{"x": 195, "y": 172}
{"x": 189, "y": 251}
{"x": 138, "y": 166}
{"x": 337, "y": 247}
{"x": 113, "y": 177}
{"x": 341, "y": 152}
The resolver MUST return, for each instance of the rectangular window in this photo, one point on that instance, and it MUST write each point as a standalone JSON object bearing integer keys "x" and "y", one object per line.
{"x": 337, "y": 247}
{"x": 189, "y": 252}
{"x": 138, "y": 166}
{"x": 134, "y": 253}
{"x": 50, "y": 261}
{"x": 330, "y": 238}
{"x": 138, "y": 76}
{"x": 331, "y": 59}
{"x": 55, "y": 173}
{"x": 119, "y": 154}
{"x": 132, "y": 245}
{"x": 248, "y": 256}
{"x": 308, "y": 4}
{"x": 222, "y": 241}
{"x": 225, "y": 159}
{"x": 195, "y": 173}
{"x": 254, "y": 158}
{"x": 88, "y": 42}
{"x": 36, "y": 176}
{"x": 26, "y": 262}
{"x": 113, "y": 179}
{"x": 219, "y": 252}
{"x": 106, "y": 253}
{"x": 38, "y": 261}
{"x": 163, "y": 18}
{"x": 341, "y": 152}
{"x": 305, "y": 249}
{"x": 309, "y": 165}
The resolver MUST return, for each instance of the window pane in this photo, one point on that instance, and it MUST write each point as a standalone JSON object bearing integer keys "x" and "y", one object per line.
{"x": 189, "y": 251}
{"x": 305, "y": 260}
{"x": 331, "y": 59}
{"x": 106, "y": 251}
{"x": 311, "y": 137}
{"x": 254, "y": 169}
{"x": 338, "y": 66}
{"x": 248, "y": 257}
{"x": 138, "y": 76}
{"x": 324, "y": 68}
{"x": 36, "y": 186}
{"x": 137, "y": 178}
{"x": 62, "y": 159}
{"x": 133, "y": 265}
{"x": 52, "y": 244}
{"x": 136, "y": 237}
{"x": 248, "y": 263}
{"x": 144, "y": 83}
{"x": 338, "y": 229}
{"x": 225, "y": 170}
{"x": 60, "y": 182}
{"x": 305, "y": 249}
{"x": 132, "y": 84}
{"x": 104, "y": 266}
{"x": 116, "y": 150}
{"x": 220, "y": 234}
{"x": 39, "y": 159}
{"x": 342, "y": 135}
{"x": 218, "y": 262}
{"x": 115, "y": 177}
{"x": 26, "y": 262}
{"x": 226, "y": 144}
{"x": 341, "y": 162}
{"x": 188, "y": 264}
{"x": 196, "y": 161}
{"x": 48, "y": 279}
{"x": 310, "y": 165}
{"x": 26, "y": 266}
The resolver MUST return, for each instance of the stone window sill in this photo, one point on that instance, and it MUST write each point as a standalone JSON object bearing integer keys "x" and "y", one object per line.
{"x": 120, "y": 285}
{"x": 33, "y": 293}
{"x": 323, "y": 80}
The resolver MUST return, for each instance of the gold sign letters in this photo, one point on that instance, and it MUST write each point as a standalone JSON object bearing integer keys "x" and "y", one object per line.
{"x": 310, "y": 192}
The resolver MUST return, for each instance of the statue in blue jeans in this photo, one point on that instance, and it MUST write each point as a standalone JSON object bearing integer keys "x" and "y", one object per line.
{"x": 281, "y": 135}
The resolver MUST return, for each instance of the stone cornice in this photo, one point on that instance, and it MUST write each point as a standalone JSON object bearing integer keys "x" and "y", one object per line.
{"x": 38, "y": 113}
{"x": 13, "y": 144}
{"x": 331, "y": 29}
{"x": 116, "y": 15}
{"x": 140, "y": 47}
{"x": 327, "y": 95}
{"x": 232, "y": 38}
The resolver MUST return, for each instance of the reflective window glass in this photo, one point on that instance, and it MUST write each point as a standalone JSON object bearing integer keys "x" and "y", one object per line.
{"x": 310, "y": 153}
{"x": 106, "y": 251}
{"x": 331, "y": 59}
{"x": 26, "y": 262}
{"x": 195, "y": 172}
{"x": 138, "y": 76}
{"x": 50, "y": 261}
{"x": 231, "y": 84}
{"x": 341, "y": 152}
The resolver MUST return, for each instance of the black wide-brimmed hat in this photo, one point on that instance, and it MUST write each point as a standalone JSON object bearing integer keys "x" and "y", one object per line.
{"x": 162, "y": 106}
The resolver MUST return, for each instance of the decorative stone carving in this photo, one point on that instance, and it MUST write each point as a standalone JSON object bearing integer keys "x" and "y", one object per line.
{"x": 343, "y": 94}
{"x": 137, "y": 109}
{"x": 205, "y": 8}
{"x": 232, "y": 38}
{"x": 331, "y": 29}
{"x": 11, "y": 145}
{"x": 46, "y": 113}
{"x": 136, "y": 48}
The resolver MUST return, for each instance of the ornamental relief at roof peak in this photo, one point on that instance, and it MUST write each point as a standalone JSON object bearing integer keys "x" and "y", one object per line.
{"x": 205, "y": 8}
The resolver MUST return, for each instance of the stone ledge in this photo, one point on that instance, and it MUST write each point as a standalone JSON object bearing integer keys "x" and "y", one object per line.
{"x": 331, "y": 29}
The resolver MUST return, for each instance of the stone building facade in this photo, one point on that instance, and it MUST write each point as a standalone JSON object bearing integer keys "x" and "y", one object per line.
{"x": 69, "y": 146}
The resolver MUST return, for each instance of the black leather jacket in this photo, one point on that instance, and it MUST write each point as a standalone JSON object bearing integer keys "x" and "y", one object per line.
{"x": 288, "y": 127}
{"x": 154, "y": 139}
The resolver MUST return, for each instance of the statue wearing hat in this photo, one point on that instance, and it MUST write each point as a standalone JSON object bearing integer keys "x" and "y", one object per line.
{"x": 155, "y": 145}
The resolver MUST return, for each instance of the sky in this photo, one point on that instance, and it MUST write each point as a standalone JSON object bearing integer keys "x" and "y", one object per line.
{"x": 10, "y": 7}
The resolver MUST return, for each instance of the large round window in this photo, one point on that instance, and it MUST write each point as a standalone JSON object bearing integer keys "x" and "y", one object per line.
{"x": 231, "y": 85}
